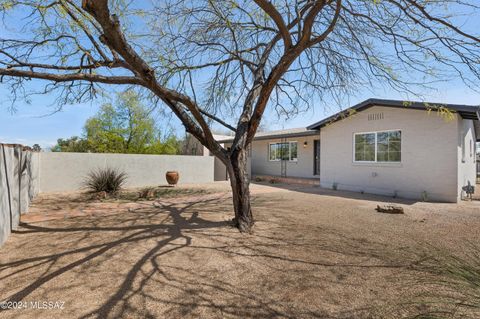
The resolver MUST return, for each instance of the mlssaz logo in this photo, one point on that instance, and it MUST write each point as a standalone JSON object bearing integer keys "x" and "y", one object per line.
{"x": 47, "y": 304}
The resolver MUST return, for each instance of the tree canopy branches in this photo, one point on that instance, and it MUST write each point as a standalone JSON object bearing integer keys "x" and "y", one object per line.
{"x": 234, "y": 46}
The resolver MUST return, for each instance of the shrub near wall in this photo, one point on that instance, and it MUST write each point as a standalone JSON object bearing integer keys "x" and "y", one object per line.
{"x": 66, "y": 171}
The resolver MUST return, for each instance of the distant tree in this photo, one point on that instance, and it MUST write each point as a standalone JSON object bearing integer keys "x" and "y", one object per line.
{"x": 73, "y": 144}
{"x": 36, "y": 148}
{"x": 126, "y": 126}
{"x": 171, "y": 145}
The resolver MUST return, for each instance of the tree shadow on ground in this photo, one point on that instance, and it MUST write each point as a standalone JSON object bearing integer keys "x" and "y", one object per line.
{"x": 183, "y": 259}
{"x": 122, "y": 234}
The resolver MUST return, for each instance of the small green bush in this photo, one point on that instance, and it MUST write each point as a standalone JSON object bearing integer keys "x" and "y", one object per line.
{"x": 106, "y": 180}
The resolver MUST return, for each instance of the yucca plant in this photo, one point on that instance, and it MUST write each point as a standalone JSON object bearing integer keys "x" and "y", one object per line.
{"x": 106, "y": 180}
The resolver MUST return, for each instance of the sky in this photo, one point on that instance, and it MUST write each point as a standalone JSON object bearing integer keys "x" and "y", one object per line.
{"x": 33, "y": 123}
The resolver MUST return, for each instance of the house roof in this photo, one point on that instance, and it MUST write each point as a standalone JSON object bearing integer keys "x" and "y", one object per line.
{"x": 470, "y": 112}
{"x": 293, "y": 132}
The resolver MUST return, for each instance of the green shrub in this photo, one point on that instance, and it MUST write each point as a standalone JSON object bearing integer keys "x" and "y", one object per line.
{"x": 106, "y": 180}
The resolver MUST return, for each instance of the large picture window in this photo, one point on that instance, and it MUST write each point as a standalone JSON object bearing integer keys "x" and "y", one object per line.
{"x": 381, "y": 147}
{"x": 283, "y": 151}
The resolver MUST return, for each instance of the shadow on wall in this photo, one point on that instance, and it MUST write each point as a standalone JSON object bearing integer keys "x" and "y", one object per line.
{"x": 19, "y": 167}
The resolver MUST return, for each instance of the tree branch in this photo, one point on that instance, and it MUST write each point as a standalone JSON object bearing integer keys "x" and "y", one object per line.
{"x": 114, "y": 37}
{"x": 216, "y": 119}
{"x": 330, "y": 28}
{"x": 273, "y": 13}
{"x": 94, "y": 78}
{"x": 310, "y": 19}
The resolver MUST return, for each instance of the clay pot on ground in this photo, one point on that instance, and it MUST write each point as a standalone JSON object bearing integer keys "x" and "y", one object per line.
{"x": 172, "y": 177}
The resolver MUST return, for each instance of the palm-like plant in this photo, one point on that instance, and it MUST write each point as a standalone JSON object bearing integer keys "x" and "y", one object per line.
{"x": 107, "y": 180}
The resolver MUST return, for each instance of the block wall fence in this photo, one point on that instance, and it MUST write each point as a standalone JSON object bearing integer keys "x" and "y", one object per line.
{"x": 19, "y": 184}
{"x": 25, "y": 173}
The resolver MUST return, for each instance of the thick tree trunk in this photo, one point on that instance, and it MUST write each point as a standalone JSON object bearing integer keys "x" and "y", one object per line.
{"x": 239, "y": 180}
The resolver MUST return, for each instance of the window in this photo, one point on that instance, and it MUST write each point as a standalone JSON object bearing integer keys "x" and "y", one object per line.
{"x": 389, "y": 146}
{"x": 283, "y": 151}
{"x": 279, "y": 151}
{"x": 365, "y": 147}
{"x": 293, "y": 151}
{"x": 381, "y": 147}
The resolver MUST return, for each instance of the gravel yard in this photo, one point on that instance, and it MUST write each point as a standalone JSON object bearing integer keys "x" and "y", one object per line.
{"x": 314, "y": 253}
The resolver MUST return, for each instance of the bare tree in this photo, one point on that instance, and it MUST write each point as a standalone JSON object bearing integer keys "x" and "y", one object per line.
{"x": 225, "y": 61}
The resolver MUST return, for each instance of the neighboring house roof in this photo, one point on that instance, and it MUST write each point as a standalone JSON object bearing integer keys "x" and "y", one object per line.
{"x": 218, "y": 137}
{"x": 465, "y": 111}
{"x": 293, "y": 132}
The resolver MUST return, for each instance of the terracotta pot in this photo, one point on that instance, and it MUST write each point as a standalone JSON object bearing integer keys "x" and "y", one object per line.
{"x": 172, "y": 177}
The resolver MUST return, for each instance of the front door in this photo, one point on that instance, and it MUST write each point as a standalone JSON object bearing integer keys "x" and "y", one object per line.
{"x": 316, "y": 157}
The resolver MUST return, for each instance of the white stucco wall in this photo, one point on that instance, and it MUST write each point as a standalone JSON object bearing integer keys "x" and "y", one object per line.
{"x": 467, "y": 170}
{"x": 66, "y": 171}
{"x": 303, "y": 167}
{"x": 429, "y": 155}
{"x": 220, "y": 170}
{"x": 221, "y": 173}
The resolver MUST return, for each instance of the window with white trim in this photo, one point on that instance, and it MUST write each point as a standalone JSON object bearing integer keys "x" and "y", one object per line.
{"x": 283, "y": 151}
{"x": 378, "y": 147}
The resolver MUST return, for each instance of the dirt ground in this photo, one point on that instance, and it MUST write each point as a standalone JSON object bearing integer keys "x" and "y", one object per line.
{"x": 313, "y": 253}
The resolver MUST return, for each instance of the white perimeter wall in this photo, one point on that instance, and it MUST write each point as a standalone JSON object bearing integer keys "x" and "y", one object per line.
{"x": 66, "y": 171}
{"x": 18, "y": 185}
{"x": 429, "y": 155}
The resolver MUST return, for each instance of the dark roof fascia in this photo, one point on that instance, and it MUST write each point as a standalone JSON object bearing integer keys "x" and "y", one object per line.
{"x": 465, "y": 111}
{"x": 277, "y": 136}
